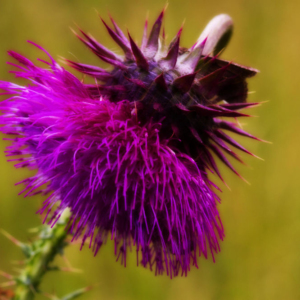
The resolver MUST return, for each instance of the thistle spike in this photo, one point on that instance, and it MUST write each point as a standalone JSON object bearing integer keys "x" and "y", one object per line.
{"x": 144, "y": 39}
{"x": 184, "y": 83}
{"x": 232, "y": 142}
{"x": 210, "y": 82}
{"x": 235, "y": 69}
{"x": 238, "y": 106}
{"x": 189, "y": 63}
{"x": 94, "y": 71}
{"x": 212, "y": 163}
{"x": 163, "y": 38}
{"x": 96, "y": 47}
{"x": 161, "y": 82}
{"x": 176, "y": 36}
{"x": 77, "y": 293}
{"x": 164, "y": 33}
{"x": 71, "y": 270}
{"x": 223, "y": 145}
{"x": 113, "y": 62}
{"x": 224, "y": 159}
{"x": 169, "y": 62}
{"x": 152, "y": 43}
{"x": 218, "y": 33}
{"x": 196, "y": 135}
{"x": 140, "y": 59}
{"x": 233, "y": 128}
{"x": 119, "y": 40}
{"x": 211, "y": 111}
{"x": 229, "y": 112}
{"x": 119, "y": 31}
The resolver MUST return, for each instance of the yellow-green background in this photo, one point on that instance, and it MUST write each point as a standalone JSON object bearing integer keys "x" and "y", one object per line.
{"x": 260, "y": 257}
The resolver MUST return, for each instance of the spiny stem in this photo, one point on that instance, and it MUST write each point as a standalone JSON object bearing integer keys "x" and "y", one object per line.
{"x": 39, "y": 255}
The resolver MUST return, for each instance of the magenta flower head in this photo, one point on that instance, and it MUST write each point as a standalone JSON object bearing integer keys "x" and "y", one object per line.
{"x": 130, "y": 154}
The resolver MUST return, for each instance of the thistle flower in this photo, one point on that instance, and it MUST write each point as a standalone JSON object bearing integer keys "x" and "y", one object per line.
{"x": 129, "y": 154}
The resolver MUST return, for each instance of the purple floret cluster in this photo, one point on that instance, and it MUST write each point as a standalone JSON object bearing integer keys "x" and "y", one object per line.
{"x": 129, "y": 154}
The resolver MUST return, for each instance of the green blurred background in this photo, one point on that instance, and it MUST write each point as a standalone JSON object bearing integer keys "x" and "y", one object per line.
{"x": 260, "y": 254}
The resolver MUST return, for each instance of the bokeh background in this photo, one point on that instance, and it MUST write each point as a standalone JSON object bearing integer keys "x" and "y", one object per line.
{"x": 260, "y": 254}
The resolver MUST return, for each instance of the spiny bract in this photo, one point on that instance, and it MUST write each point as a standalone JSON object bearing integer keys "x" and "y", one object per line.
{"x": 129, "y": 154}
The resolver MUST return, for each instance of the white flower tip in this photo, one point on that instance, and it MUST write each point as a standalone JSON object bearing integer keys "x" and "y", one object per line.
{"x": 218, "y": 32}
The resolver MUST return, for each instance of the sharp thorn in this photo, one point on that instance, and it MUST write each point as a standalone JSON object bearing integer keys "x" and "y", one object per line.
{"x": 11, "y": 238}
{"x": 6, "y": 275}
{"x": 71, "y": 270}
{"x": 7, "y": 284}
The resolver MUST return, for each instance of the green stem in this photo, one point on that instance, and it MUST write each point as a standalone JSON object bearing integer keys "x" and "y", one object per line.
{"x": 39, "y": 255}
